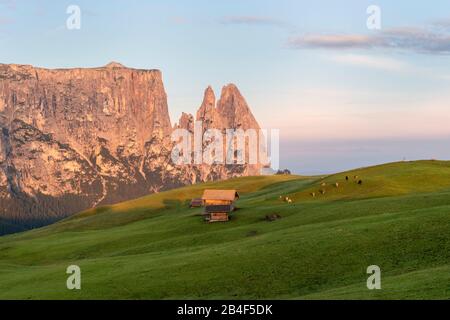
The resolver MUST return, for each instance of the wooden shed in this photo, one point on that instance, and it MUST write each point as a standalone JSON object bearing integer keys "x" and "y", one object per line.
{"x": 196, "y": 203}
{"x": 219, "y": 204}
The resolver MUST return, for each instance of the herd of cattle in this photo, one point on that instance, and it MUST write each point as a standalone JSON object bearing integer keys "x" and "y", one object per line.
{"x": 322, "y": 190}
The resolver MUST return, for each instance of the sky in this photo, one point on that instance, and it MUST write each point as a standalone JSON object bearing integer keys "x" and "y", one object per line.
{"x": 341, "y": 94}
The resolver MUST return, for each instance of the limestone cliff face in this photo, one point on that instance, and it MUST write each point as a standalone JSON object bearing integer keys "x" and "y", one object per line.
{"x": 230, "y": 112}
{"x": 234, "y": 111}
{"x": 72, "y": 139}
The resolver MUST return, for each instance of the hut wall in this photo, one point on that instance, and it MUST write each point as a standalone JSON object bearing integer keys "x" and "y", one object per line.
{"x": 221, "y": 216}
{"x": 217, "y": 202}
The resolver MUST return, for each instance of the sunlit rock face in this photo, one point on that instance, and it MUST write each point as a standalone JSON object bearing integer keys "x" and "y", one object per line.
{"x": 72, "y": 139}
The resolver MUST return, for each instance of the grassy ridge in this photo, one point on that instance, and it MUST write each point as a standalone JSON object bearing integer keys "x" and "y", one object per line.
{"x": 380, "y": 181}
{"x": 157, "y": 248}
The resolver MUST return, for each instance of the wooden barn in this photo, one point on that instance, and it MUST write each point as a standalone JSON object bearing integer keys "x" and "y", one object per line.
{"x": 219, "y": 204}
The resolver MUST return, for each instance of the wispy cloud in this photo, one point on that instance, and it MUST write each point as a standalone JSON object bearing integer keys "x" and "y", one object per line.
{"x": 442, "y": 23}
{"x": 330, "y": 41}
{"x": 429, "y": 40}
{"x": 9, "y": 4}
{"x": 5, "y": 21}
{"x": 253, "y": 21}
{"x": 390, "y": 64}
{"x": 373, "y": 62}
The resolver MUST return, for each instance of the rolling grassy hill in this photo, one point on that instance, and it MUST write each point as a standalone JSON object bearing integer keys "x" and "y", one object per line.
{"x": 157, "y": 248}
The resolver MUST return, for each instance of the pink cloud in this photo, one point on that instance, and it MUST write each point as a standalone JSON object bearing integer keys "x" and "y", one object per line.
{"x": 422, "y": 40}
{"x": 10, "y": 4}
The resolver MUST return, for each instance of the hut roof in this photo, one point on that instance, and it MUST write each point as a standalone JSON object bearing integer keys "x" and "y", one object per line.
{"x": 229, "y": 195}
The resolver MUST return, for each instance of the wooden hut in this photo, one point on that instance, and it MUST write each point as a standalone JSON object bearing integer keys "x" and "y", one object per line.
{"x": 219, "y": 204}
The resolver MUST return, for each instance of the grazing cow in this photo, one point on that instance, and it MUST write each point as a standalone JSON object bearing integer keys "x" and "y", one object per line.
{"x": 336, "y": 184}
{"x": 289, "y": 201}
{"x": 346, "y": 178}
{"x": 322, "y": 191}
{"x": 360, "y": 182}
{"x": 313, "y": 194}
{"x": 355, "y": 177}
{"x": 323, "y": 184}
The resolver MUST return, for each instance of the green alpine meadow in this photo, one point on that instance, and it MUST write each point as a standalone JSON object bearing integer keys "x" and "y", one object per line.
{"x": 290, "y": 237}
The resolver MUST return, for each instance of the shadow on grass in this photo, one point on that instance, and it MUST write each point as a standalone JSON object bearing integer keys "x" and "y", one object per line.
{"x": 176, "y": 204}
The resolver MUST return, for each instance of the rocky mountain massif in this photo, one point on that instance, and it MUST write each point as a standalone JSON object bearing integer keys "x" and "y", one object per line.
{"x": 72, "y": 139}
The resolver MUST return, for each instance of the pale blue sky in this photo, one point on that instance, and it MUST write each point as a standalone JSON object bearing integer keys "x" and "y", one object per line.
{"x": 310, "y": 68}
